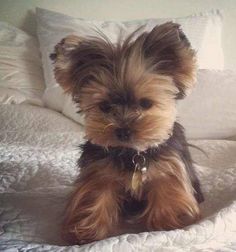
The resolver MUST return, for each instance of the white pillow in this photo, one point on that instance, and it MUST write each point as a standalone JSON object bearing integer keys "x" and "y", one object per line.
{"x": 210, "y": 111}
{"x": 203, "y": 31}
{"x": 21, "y": 75}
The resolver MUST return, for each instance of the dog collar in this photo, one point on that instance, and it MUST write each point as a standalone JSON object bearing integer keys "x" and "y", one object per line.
{"x": 139, "y": 176}
{"x": 140, "y": 171}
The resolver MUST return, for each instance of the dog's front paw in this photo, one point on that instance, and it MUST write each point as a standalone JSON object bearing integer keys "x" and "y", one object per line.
{"x": 169, "y": 206}
{"x": 167, "y": 219}
{"x": 93, "y": 212}
{"x": 85, "y": 231}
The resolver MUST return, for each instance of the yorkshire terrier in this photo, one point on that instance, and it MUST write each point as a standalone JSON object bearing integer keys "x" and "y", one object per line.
{"x": 135, "y": 166}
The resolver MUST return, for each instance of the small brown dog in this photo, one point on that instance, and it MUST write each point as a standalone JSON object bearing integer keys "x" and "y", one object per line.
{"x": 135, "y": 165}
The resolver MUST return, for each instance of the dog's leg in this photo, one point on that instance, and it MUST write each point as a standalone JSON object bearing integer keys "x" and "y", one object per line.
{"x": 170, "y": 198}
{"x": 93, "y": 212}
{"x": 182, "y": 146}
{"x": 193, "y": 176}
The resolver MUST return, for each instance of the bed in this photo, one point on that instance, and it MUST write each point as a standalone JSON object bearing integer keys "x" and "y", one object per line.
{"x": 38, "y": 151}
{"x": 40, "y": 134}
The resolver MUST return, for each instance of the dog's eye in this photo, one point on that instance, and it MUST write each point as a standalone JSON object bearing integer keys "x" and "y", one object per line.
{"x": 105, "y": 107}
{"x": 145, "y": 103}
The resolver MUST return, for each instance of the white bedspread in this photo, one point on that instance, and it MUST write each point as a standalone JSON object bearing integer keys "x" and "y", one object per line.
{"x": 38, "y": 154}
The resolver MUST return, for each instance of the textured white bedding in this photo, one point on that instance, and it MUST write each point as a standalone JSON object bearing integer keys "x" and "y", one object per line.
{"x": 38, "y": 154}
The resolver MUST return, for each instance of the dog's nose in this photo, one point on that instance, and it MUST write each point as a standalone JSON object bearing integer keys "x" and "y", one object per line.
{"x": 123, "y": 134}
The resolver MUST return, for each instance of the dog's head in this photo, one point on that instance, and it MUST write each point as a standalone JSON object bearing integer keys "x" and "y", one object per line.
{"x": 127, "y": 90}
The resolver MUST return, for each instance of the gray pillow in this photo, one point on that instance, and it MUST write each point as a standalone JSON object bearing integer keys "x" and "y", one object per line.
{"x": 210, "y": 111}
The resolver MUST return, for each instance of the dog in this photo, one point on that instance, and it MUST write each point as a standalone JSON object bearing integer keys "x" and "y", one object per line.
{"x": 135, "y": 166}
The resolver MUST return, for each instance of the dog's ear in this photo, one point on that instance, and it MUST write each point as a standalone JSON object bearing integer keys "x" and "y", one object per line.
{"x": 63, "y": 60}
{"x": 168, "y": 52}
{"x": 79, "y": 61}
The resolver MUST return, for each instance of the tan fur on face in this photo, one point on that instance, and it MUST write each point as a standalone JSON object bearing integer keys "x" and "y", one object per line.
{"x": 150, "y": 127}
{"x": 159, "y": 65}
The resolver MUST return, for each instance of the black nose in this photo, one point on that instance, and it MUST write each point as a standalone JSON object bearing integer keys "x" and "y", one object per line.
{"x": 123, "y": 134}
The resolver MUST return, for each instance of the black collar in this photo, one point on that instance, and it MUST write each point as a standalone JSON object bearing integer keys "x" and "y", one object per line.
{"x": 123, "y": 157}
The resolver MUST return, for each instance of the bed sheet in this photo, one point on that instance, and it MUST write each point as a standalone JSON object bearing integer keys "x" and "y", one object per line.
{"x": 38, "y": 154}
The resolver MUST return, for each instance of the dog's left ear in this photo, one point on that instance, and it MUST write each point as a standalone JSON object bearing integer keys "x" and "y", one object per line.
{"x": 169, "y": 52}
{"x": 62, "y": 59}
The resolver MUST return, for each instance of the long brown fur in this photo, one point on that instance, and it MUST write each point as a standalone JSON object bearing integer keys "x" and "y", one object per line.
{"x": 94, "y": 210}
{"x": 132, "y": 85}
{"x": 171, "y": 203}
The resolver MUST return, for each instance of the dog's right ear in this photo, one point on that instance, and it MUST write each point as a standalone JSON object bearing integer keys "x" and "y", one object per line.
{"x": 62, "y": 59}
{"x": 78, "y": 61}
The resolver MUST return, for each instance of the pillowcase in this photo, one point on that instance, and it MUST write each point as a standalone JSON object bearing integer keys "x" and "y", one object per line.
{"x": 21, "y": 75}
{"x": 203, "y": 31}
{"x": 210, "y": 111}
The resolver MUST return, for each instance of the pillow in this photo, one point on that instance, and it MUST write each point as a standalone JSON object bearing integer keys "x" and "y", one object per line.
{"x": 203, "y": 31}
{"x": 21, "y": 75}
{"x": 210, "y": 111}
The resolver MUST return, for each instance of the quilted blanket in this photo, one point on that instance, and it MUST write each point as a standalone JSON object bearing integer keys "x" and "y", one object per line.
{"x": 38, "y": 154}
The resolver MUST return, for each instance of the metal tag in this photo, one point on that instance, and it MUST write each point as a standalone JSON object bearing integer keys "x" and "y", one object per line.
{"x": 136, "y": 178}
